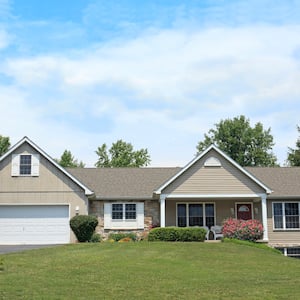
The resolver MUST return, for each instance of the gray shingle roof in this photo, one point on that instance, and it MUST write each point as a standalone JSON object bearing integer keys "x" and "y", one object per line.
{"x": 283, "y": 181}
{"x": 116, "y": 183}
{"x": 113, "y": 183}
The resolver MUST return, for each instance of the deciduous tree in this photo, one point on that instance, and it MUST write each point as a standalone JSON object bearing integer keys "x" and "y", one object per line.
{"x": 293, "y": 158}
{"x": 68, "y": 160}
{"x": 4, "y": 144}
{"x": 121, "y": 154}
{"x": 248, "y": 146}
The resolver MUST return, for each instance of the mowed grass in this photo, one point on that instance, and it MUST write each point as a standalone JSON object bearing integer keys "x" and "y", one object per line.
{"x": 145, "y": 270}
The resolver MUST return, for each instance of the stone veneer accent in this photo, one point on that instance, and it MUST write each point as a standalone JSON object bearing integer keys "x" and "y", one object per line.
{"x": 151, "y": 217}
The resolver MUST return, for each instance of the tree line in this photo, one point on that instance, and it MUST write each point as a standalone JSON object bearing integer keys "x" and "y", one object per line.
{"x": 248, "y": 146}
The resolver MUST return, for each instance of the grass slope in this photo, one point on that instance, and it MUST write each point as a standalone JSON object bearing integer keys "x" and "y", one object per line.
{"x": 149, "y": 271}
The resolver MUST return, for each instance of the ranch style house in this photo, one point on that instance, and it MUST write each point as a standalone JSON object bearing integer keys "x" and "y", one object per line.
{"x": 38, "y": 197}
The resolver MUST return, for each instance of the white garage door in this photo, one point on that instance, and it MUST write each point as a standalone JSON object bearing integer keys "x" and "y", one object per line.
{"x": 34, "y": 224}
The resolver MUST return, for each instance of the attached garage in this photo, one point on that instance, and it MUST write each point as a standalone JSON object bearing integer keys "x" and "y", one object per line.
{"x": 34, "y": 224}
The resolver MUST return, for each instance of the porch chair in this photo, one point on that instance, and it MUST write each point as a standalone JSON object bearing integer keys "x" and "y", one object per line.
{"x": 217, "y": 231}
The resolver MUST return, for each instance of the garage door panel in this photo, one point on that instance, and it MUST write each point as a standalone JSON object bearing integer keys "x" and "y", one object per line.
{"x": 34, "y": 224}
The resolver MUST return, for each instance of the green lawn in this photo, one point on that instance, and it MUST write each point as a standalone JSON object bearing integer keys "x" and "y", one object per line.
{"x": 149, "y": 271}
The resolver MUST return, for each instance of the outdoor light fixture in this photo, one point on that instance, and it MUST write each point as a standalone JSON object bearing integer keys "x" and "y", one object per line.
{"x": 232, "y": 210}
{"x": 77, "y": 210}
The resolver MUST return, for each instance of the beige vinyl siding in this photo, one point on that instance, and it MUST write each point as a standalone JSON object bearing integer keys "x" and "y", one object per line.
{"x": 226, "y": 179}
{"x": 281, "y": 237}
{"x": 50, "y": 187}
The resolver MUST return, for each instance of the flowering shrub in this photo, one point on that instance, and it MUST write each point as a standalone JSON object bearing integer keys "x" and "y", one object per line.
{"x": 249, "y": 230}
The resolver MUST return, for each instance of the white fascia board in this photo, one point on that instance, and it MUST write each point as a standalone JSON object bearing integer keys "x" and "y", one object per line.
{"x": 192, "y": 162}
{"x": 248, "y": 174}
{"x": 43, "y": 153}
{"x": 212, "y": 196}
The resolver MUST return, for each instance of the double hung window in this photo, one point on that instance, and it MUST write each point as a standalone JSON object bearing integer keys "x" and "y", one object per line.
{"x": 25, "y": 164}
{"x": 286, "y": 215}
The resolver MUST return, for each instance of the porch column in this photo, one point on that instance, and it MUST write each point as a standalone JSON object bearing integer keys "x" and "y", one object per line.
{"x": 162, "y": 200}
{"x": 264, "y": 216}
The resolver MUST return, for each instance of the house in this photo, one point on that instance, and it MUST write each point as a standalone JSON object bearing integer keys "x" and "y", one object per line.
{"x": 38, "y": 197}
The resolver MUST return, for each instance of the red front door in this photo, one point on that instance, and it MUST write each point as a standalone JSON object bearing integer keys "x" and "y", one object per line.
{"x": 244, "y": 211}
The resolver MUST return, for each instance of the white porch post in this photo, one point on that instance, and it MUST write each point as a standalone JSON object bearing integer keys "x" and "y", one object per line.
{"x": 162, "y": 200}
{"x": 264, "y": 216}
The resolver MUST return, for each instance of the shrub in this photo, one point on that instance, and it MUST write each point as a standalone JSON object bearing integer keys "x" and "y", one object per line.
{"x": 192, "y": 234}
{"x": 83, "y": 227}
{"x": 1, "y": 264}
{"x": 172, "y": 234}
{"x": 119, "y": 236}
{"x": 249, "y": 230}
{"x": 96, "y": 238}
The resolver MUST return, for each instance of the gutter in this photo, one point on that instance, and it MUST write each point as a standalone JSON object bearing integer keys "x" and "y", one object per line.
{"x": 283, "y": 197}
{"x": 125, "y": 198}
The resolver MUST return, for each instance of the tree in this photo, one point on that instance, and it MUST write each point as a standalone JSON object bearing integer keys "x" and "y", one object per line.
{"x": 248, "y": 146}
{"x": 293, "y": 158}
{"x": 4, "y": 144}
{"x": 68, "y": 160}
{"x": 121, "y": 154}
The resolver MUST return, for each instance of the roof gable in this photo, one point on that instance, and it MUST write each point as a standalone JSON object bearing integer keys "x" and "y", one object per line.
{"x": 212, "y": 162}
{"x": 47, "y": 157}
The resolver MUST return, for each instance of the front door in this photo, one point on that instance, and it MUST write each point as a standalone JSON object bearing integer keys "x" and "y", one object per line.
{"x": 244, "y": 211}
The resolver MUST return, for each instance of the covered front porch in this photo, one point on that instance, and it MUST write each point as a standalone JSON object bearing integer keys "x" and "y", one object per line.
{"x": 211, "y": 210}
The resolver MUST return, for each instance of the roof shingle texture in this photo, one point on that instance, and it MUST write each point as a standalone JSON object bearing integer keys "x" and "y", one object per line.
{"x": 283, "y": 181}
{"x": 123, "y": 182}
{"x": 111, "y": 183}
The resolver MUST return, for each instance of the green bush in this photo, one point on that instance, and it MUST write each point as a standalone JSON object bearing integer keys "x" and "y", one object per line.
{"x": 83, "y": 227}
{"x": 1, "y": 264}
{"x": 96, "y": 238}
{"x": 119, "y": 236}
{"x": 172, "y": 234}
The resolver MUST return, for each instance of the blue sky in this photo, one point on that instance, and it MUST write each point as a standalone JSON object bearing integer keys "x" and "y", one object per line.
{"x": 157, "y": 74}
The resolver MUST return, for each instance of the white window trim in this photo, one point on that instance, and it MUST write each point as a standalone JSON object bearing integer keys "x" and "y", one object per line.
{"x": 187, "y": 212}
{"x": 283, "y": 216}
{"x": 15, "y": 165}
{"x": 114, "y": 224}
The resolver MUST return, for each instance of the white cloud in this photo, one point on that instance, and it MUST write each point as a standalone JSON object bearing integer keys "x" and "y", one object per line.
{"x": 162, "y": 90}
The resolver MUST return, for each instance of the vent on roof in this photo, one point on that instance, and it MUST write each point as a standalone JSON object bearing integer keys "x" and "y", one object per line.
{"x": 212, "y": 162}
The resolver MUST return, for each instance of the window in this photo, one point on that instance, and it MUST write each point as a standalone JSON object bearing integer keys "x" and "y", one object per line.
{"x": 117, "y": 211}
{"x": 195, "y": 214}
{"x": 126, "y": 215}
{"x": 123, "y": 210}
{"x": 130, "y": 211}
{"x": 290, "y": 251}
{"x": 286, "y": 215}
{"x": 25, "y": 165}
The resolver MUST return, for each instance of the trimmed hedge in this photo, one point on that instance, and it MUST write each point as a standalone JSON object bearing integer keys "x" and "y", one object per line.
{"x": 174, "y": 234}
{"x": 83, "y": 227}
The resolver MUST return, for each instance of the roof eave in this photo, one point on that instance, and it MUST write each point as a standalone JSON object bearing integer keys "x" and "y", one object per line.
{"x": 124, "y": 198}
